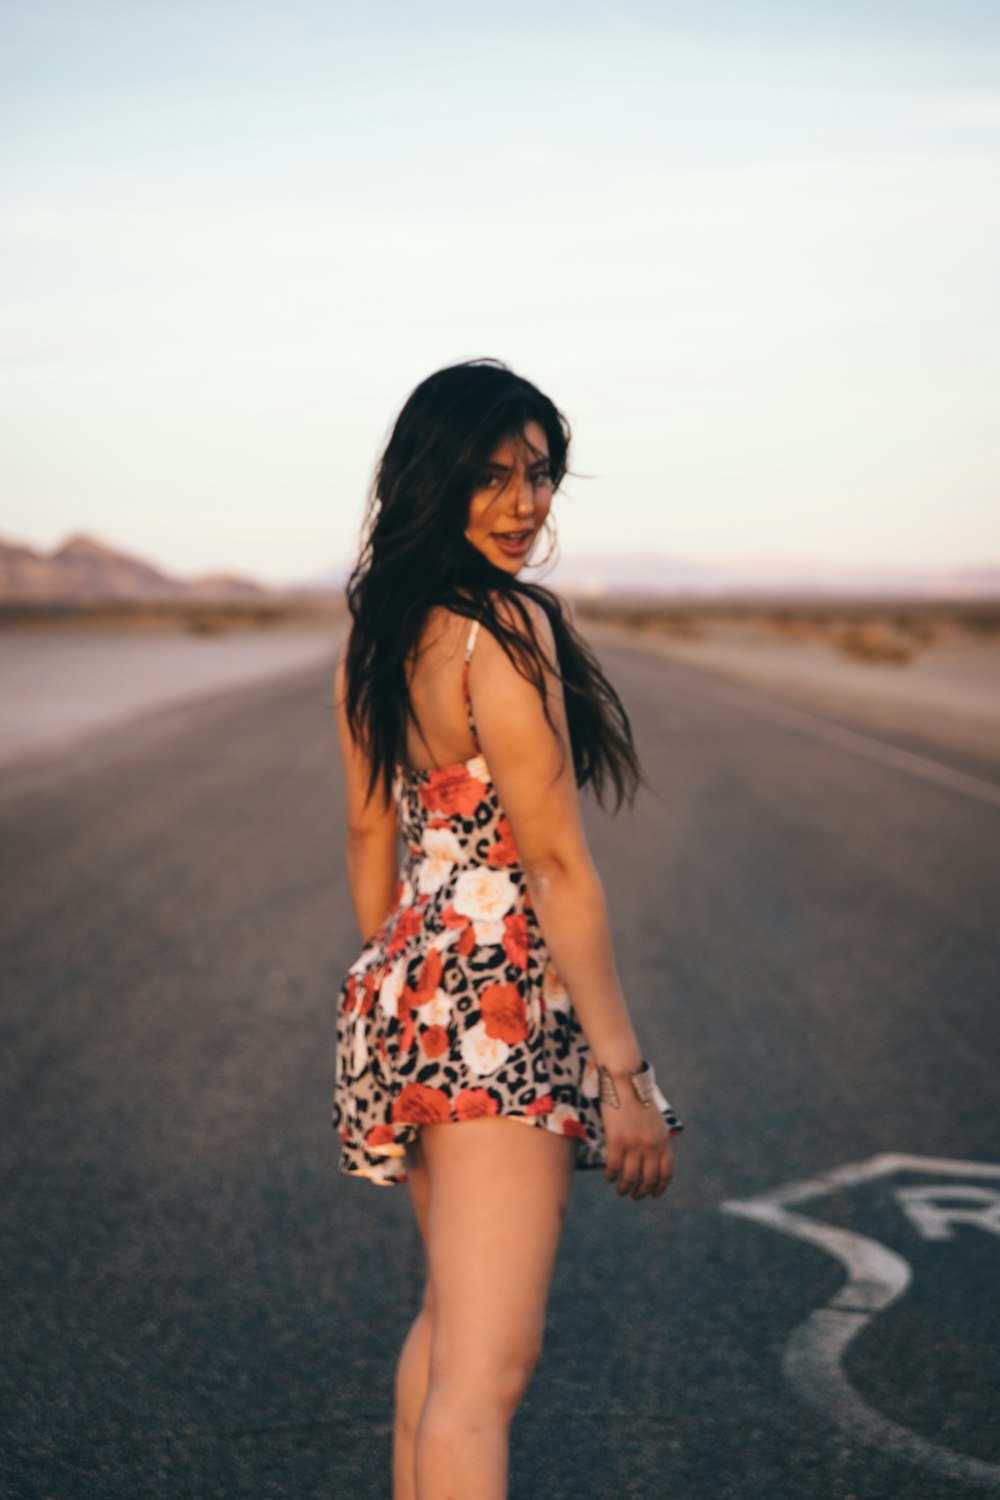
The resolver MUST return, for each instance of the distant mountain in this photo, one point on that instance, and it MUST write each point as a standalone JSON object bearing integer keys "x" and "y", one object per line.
{"x": 225, "y": 586}
{"x": 84, "y": 569}
{"x": 595, "y": 575}
{"x": 334, "y": 580}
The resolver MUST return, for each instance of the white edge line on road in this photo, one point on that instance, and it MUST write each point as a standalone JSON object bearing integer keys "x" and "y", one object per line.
{"x": 876, "y": 1276}
{"x": 848, "y": 739}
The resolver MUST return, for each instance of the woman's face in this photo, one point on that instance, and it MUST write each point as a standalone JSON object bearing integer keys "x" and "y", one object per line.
{"x": 512, "y": 499}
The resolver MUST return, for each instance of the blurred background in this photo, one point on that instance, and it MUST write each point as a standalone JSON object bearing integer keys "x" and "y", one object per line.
{"x": 750, "y": 247}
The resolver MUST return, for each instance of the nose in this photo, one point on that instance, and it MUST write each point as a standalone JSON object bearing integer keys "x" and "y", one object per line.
{"x": 523, "y": 492}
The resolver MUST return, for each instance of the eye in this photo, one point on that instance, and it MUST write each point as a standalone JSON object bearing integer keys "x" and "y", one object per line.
{"x": 542, "y": 476}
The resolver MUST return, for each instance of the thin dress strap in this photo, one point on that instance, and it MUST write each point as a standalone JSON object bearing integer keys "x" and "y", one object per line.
{"x": 465, "y": 682}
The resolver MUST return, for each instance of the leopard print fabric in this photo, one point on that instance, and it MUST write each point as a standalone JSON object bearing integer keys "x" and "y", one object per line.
{"x": 454, "y": 1008}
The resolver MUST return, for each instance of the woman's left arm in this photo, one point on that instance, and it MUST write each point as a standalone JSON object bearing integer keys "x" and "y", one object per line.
{"x": 371, "y": 847}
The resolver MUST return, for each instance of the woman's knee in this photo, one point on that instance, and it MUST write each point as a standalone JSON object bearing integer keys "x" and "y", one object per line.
{"x": 473, "y": 1381}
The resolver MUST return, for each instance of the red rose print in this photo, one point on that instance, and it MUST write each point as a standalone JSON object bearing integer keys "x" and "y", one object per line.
{"x": 515, "y": 938}
{"x": 453, "y": 794}
{"x": 418, "y": 1104}
{"x": 434, "y": 1041}
{"x": 409, "y": 922}
{"x": 430, "y": 978}
{"x": 467, "y": 941}
{"x": 368, "y": 999}
{"x": 437, "y": 1019}
{"x": 504, "y": 1012}
{"x": 504, "y": 851}
{"x": 472, "y": 1104}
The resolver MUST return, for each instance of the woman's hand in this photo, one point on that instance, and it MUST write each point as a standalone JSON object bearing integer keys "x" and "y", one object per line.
{"x": 638, "y": 1146}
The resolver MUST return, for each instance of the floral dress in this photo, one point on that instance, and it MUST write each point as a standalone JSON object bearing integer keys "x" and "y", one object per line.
{"x": 454, "y": 1008}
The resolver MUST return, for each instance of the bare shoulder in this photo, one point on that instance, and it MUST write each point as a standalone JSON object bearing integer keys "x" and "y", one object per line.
{"x": 505, "y": 690}
{"x": 525, "y": 739}
{"x": 510, "y": 612}
{"x": 441, "y": 633}
{"x": 511, "y": 616}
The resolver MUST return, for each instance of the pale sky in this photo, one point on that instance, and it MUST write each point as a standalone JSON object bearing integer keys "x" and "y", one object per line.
{"x": 750, "y": 248}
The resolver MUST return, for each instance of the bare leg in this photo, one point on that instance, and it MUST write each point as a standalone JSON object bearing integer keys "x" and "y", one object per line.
{"x": 414, "y": 1359}
{"x": 498, "y": 1191}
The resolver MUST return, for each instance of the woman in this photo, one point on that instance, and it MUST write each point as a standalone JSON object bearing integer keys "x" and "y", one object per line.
{"x": 486, "y": 997}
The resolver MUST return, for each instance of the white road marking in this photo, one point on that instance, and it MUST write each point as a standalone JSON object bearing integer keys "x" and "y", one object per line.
{"x": 922, "y": 1206}
{"x": 876, "y": 1277}
{"x": 878, "y": 750}
{"x": 854, "y": 740}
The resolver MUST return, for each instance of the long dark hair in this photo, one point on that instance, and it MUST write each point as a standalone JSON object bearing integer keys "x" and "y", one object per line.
{"x": 415, "y": 555}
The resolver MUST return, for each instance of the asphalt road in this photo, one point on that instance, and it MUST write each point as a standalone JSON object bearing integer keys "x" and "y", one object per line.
{"x": 198, "y": 1305}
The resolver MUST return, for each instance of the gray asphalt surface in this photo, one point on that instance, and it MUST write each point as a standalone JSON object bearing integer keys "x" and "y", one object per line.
{"x": 197, "y": 1305}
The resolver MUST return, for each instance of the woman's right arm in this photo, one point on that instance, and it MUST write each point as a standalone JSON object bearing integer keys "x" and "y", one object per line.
{"x": 371, "y": 844}
{"x": 532, "y": 768}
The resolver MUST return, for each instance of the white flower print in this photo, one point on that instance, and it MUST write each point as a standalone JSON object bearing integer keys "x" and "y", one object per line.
{"x": 391, "y": 988}
{"x": 462, "y": 929}
{"x": 437, "y": 1010}
{"x": 556, "y": 993}
{"x": 484, "y": 894}
{"x": 483, "y": 1054}
{"x": 360, "y": 1046}
{"x": 443, "y": 940}
{"x": 441, "y": 853}
{"x": 590, "y": 1082}
{"x": 488, "y": 934}
{"x": 562, "y": 1112}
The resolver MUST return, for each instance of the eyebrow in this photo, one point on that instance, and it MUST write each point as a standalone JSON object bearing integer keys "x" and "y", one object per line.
{"x": 539, "y": 463}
